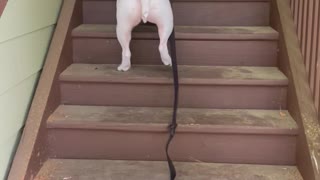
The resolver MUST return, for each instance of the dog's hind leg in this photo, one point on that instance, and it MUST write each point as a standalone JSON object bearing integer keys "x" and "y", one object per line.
{"x": 161, "y": 15}
{"x": 124, "y": 38}
{"x": 164, "y": 34}
{"x": 128, "y": 16}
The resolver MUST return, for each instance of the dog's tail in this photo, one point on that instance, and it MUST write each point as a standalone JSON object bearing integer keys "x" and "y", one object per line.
{"x": 145, "y": 15}
{"x": 145, "y": 10}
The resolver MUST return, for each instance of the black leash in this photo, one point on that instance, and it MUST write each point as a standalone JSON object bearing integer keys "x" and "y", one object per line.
{"x": 173, "y": 125}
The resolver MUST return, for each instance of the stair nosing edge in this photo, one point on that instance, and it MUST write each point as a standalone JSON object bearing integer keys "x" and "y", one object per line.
{"x": 185, "y": 81}
{"x": 162, "y": 128}
{"x": 273, "y": 35}
{"x": 100, "y": 78}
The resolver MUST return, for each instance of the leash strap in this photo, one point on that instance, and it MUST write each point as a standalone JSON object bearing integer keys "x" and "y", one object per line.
{"x": 173, "y": 125}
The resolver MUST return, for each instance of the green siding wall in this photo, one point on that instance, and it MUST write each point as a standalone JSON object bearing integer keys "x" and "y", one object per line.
{"x": 26, "y": 29}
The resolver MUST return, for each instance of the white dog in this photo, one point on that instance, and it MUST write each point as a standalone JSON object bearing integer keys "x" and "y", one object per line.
{"x": 131, "y": 12}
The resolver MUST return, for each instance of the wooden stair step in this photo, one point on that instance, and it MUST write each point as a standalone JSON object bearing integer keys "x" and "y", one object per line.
{"x": 182, "y": 32}
{"x": 204, "y": 12}
{"x": 196, "y": 45}
{"x": 151, "y": 85}
{"x": 55, "y": 169}
{"x": 157, "y": 119}
{"x": 195, "y": 75}
{"x": 210, "y": 135}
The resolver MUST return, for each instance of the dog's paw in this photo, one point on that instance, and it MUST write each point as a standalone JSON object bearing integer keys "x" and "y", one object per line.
{"x": 124, "y": 67}
{"x": 167, "y": 61}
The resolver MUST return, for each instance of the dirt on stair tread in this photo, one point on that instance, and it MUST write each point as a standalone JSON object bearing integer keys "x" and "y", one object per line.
{"x": 182, "y": 32}
{"x": 67, "y": 116}
{"x": 67, "y": 169}
{"x": 188, "y": 74}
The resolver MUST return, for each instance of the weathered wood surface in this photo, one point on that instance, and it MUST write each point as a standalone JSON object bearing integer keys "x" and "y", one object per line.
{"x": 139, "y": 170}
{"x": 300, "y": 101}
{"x": 306, "y": 15}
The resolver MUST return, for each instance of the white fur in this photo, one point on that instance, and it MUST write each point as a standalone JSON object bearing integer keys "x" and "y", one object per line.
{"x": 131, "y": 12}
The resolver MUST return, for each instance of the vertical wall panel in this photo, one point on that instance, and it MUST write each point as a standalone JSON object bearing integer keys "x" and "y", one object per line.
{"x": 26, "y": 28}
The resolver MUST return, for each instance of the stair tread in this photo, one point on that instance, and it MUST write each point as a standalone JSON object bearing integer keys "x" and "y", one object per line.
{"x": 158, "y": 74}
{"x": 156, "y": 119}
{"x": 183, "y": 32}
{"x": 145, "y": 170}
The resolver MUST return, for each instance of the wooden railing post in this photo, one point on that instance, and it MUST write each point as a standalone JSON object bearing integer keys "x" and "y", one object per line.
{"x": 306, "y": 14}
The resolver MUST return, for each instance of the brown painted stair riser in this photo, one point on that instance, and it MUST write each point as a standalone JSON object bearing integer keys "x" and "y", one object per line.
{"x": 212, "y": 12}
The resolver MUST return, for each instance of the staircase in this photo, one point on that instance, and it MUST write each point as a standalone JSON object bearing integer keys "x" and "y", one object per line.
{"x": 233, "y": 122}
